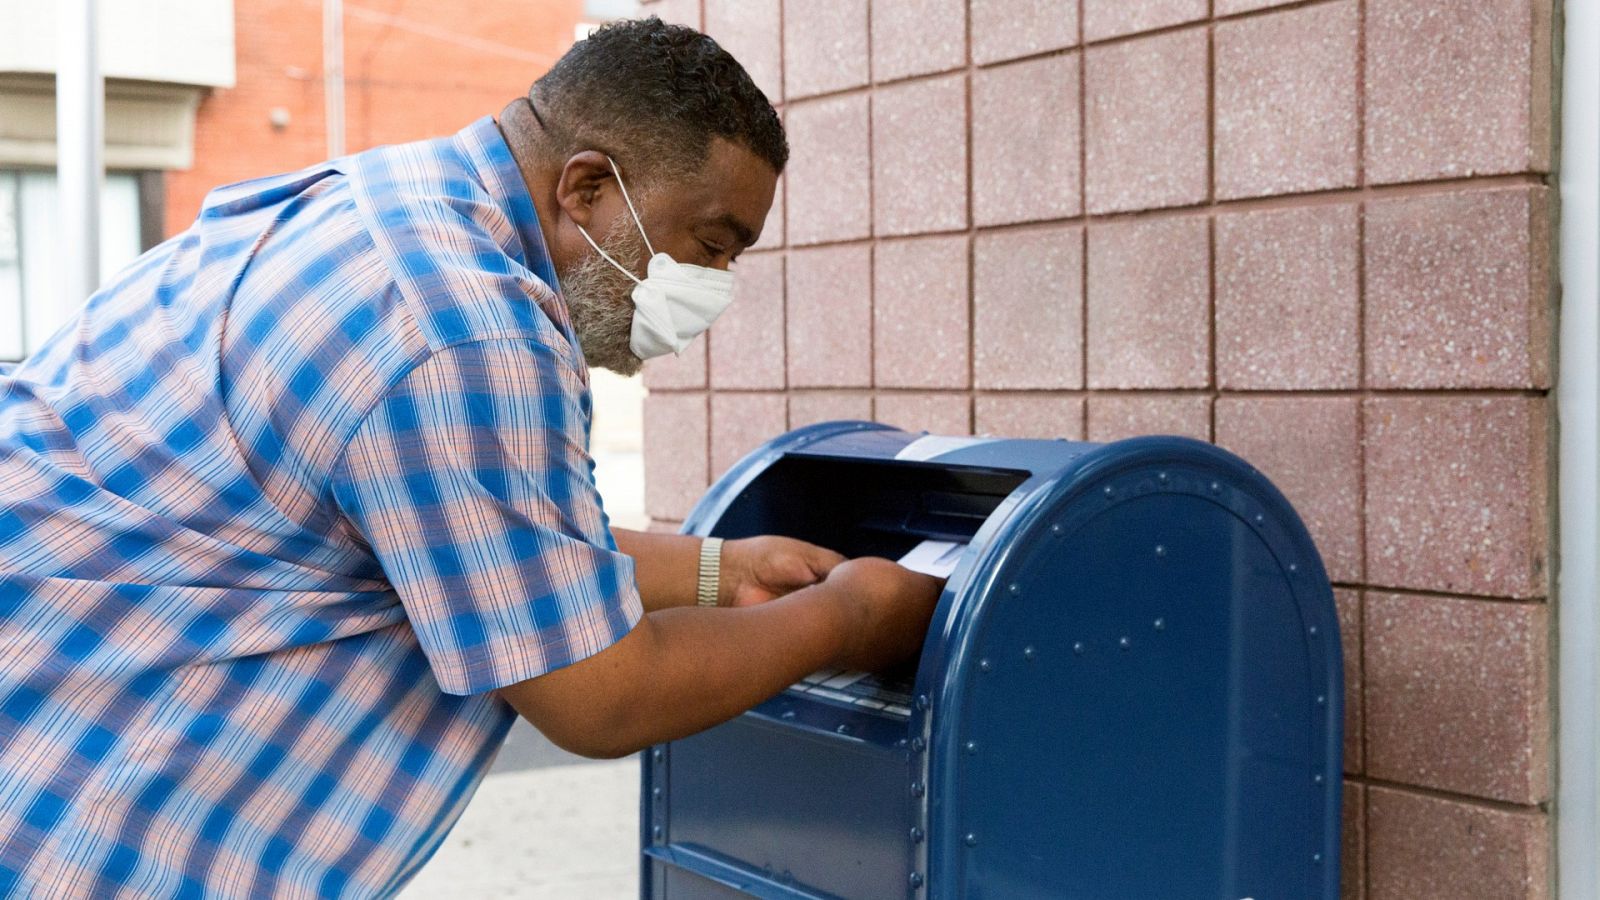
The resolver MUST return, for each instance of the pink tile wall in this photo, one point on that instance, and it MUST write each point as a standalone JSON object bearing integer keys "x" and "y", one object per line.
{"x": 1006, "y": 29}
{"x": 811, "y": 407}
{"x": 921, "y": 319}
{"x": 825, "y": 46}
{"x": 925, "y": 411}
{"x": 1286, "y": 101}
{"x": 1443, "y": 714}
{"x": 1457, "y": 89}
{"x": 748, "y": 351}
{"x": 1028, "y": 318}
{"x": 1149, "y": 301}
{"x": 1351, "y": 636}
{"x": 916, "y": 37}
{"x": 1316, "y": 232}
{"x": 1113, "y": 416}
{"x": 1458, "y": 290}
{"x": 1025, "y": 141}
{"x": 741, "y": 422}
{"x": 1029, "y": 415}
{"x": 830, "y": 316}
{"x": 1310, "y": 447}
{"x": 1288, "y": 298}
{"x": 1456, "y": 494}
{"x": 827, "y": 187}
{"x": 1114, "y": 18}
{"x": 1145, "y": 122}
{"x": 919, "y": 156}
{"x": 1426, "y": 846}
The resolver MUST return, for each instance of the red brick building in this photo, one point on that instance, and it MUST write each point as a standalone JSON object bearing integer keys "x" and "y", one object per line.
{"x": 415, "y": 69}
{"x": 200, "y": 93}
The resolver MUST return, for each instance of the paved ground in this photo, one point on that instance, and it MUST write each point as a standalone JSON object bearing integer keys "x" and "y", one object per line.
{"x": 545, "y": 825}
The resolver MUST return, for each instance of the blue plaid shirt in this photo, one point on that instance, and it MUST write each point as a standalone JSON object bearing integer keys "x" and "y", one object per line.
{"x": 280, "y": 508}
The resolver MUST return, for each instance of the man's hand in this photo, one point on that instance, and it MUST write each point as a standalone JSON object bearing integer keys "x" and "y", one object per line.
{"x": 758, "y": 569}
{"x": 890, "y": 607}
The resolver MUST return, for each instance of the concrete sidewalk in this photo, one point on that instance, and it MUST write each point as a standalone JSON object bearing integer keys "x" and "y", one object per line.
{"x": 544, "y": 825}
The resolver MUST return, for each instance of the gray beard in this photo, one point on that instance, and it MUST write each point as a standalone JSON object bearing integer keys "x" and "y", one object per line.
{"x": 600, "y": 301}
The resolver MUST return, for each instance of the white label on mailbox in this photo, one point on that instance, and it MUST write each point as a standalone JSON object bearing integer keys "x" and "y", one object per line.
{"x": 936, "y": 558}
{"x": 931, "y": 445}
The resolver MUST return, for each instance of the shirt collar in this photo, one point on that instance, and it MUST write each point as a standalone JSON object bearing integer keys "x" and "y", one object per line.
{"x": 485, "y": 148}
{"x": 486, "y": 151}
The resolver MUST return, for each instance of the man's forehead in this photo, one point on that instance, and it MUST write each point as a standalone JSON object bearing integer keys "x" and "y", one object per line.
{"x": 733, "y": 190}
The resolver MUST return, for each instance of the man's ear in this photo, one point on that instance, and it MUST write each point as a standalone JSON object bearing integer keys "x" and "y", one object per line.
{"x": 584, "y": 178}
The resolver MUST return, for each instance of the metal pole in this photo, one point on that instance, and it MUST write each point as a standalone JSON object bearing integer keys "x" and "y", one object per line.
{"x": 80, "y": 157}
{"x": 1578, "y": 406}
{"x": 333, "y": 73}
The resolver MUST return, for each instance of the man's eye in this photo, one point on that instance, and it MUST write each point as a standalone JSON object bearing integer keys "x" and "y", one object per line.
{"x": 713, "y": 249}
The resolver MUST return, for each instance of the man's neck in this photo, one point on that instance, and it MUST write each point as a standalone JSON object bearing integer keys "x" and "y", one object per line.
{"x": 522, "y": 133}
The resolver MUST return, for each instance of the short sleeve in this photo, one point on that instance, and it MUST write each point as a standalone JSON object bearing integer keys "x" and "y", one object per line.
{"x": 471, "y": 483}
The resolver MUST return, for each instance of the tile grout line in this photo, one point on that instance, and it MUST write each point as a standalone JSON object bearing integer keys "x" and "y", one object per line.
{"x": 871, "y": 91}
{"x": 1361, "y": 710}
{"x": 1308, "y": 199}
{"x": 1211, "y": 217}
{"x": 1365, "y": 861}
{"x": 1465, "y": 393}
{"x": 783, "y": 263}
{"x": 1449, "y": 796}
{"x": 970, "y": 79}
{"x": 1534, "y": 602}
{"x": 710, "y": 467}
{"x": 1083, "y": 229}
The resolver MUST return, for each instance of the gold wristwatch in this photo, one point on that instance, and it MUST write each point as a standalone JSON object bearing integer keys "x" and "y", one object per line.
{"x": 709, "y": 584}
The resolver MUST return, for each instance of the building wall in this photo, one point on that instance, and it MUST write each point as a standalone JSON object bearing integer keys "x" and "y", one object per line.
{"x": 160, "y": 41}
{"x": 415, "y": 70}
{"x": 1316, "y": 233}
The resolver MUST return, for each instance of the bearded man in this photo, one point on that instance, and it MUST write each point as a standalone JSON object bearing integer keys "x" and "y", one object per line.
{"x": 298, "y": 514}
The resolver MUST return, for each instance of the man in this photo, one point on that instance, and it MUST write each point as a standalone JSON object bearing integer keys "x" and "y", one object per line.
{"x": 298, "y": 513}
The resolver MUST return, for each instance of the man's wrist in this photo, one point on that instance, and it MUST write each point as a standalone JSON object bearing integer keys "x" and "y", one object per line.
{"x": 708, "y": 585}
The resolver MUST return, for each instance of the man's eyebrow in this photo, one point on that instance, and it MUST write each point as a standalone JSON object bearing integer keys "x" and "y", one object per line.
{"x": 741, "y": 232}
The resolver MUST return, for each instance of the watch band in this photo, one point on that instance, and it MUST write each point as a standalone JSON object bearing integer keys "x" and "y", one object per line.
{"x": 709, "y": 583}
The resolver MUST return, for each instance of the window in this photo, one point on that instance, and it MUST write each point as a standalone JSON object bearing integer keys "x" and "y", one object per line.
{"x": 31, "y": 308}
{"x": 10, "y": 271}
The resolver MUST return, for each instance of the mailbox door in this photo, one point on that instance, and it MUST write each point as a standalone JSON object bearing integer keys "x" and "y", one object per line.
{"x": 771, "y": 809}
{"x": 1146, "y": 701}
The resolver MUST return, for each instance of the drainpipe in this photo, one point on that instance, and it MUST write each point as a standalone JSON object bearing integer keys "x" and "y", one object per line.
{"x": 1578, "y": 408}
{"x": 80, "y": 158}
{"x": 333, "y": 73}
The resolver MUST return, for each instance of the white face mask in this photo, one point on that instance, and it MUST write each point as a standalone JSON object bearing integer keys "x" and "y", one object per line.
{"x": 675, "y": 302}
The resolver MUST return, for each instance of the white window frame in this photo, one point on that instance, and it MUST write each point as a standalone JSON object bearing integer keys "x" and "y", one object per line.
{"x": 113, "y": 257}
{"x": 1577, "y": 808}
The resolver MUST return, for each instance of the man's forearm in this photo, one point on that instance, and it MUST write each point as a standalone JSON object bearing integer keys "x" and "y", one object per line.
{"x": 665, "y": 566}
{"x": 681, "y": 671}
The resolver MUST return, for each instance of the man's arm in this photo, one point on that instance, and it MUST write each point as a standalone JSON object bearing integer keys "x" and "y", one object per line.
{"x": 680, "y": 671}
{"x": 754, "y": 570}
{"x": 664, "y": 566}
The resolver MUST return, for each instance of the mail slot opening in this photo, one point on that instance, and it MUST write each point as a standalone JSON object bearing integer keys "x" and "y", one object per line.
{"x": 860, "y": 508}
{"x": 868, "y": 507}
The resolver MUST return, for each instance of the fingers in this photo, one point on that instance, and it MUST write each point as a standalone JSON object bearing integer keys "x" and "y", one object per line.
{"x": 822, "y": 560}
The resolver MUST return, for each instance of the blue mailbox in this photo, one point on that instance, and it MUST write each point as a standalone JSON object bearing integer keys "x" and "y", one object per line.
{"x": 1132, "y": 686}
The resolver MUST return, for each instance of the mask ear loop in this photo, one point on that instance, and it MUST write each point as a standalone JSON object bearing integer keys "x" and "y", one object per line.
{"x": 618, "y": 266}
{"x": 626, "y": 199}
